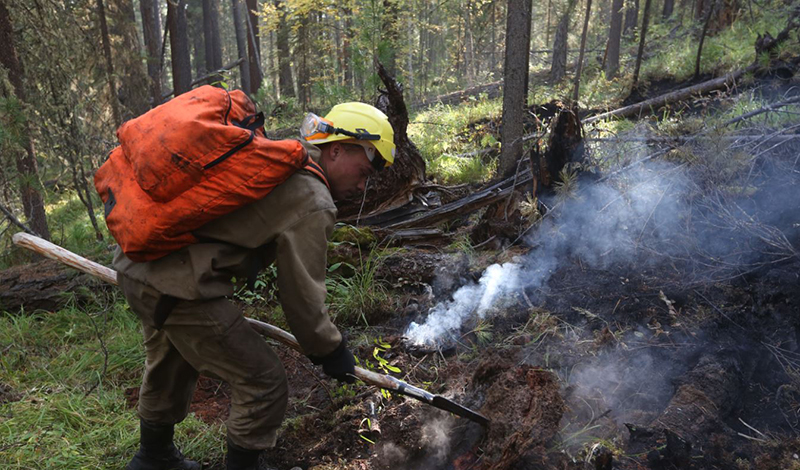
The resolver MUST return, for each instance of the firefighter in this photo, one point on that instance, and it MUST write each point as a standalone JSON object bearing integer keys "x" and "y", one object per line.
{"x": 191, "y": 326}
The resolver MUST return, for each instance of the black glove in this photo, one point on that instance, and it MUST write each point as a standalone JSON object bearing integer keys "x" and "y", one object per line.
{"x": 340, "y": 364}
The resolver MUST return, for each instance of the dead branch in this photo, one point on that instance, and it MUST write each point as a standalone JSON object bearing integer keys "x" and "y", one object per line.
{"x": 765, "y": 109}
{"x": 465, "y": 205}
{"x": 10, "y": 216}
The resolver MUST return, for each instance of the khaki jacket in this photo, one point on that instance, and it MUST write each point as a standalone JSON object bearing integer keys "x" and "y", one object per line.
{"x": 290, "y": 227}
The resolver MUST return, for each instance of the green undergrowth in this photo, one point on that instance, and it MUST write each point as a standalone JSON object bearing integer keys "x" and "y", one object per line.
{"x": 442, "y": 135}
{"x": 50, "y": 361}
{"x": 730, "y": 49}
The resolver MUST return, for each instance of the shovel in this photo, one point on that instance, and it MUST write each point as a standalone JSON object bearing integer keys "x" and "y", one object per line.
{"x": 387, "y": 382}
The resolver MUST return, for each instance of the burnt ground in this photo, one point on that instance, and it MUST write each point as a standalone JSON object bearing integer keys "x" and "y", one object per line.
{"x": 701, "y": 377}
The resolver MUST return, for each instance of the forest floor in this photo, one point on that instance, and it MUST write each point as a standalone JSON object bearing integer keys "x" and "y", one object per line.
{"x": 649, "y": 320}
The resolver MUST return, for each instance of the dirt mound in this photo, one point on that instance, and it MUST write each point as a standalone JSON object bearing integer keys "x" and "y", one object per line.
{"x": 524, "y": 406}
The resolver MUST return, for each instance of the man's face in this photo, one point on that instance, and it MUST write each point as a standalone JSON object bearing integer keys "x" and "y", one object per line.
{"x": 347, "y": 168}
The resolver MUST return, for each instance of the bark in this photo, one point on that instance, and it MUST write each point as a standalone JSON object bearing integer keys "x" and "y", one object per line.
{"x": 558, "y": 68}
{"x": 239, "y": 23}
{"x": 194, "y": 16}
{"x": 112, "y": 85}
{"x": 669, "y": 7}
{"x": 284, "y": 54}
{"x": 564, "y": 145}
{"x": 303, "y": 76}
{"x": 642, "y": 37}
{"x": 151, "y": 25}
{"x": 179, "y": 47}
{"x": 29, "y": 183}
{"x": 133, "y": 80}
{"x": 708, "y": 394}
{"x": 254, "y": 45}
{"x": 41, "y": 286}
{"x": 515, "y": 79}
{"x": 391, "y": 35}
{"x": 631, "y": 16}
{"x": 346, "y": 65}
{"x": 576, "y": 89}
{"x": 213, "y": 46}
{"x": 614, "y": 36}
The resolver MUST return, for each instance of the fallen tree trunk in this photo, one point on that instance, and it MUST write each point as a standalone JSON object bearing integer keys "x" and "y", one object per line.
{"x": 673, "y": 97}
{"x": 465, "y": 205}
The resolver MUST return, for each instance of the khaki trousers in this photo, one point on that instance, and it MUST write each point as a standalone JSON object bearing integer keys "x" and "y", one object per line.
{"x": 209, "y": 337}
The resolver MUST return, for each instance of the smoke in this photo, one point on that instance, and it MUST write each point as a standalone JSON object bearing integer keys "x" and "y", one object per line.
{"x": 436, "y": 436}
{"x": 635, "y": 216}
{"x": 473, "y": 299}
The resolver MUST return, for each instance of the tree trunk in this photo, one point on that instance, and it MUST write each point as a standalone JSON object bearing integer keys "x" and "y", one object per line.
{"x": 303, "y": 85}
{"x": 213, "y": 45}
{"x": 239, "y": 23}
{"x": 390, "y": 35}
{"x": 194, "y": 15}
{"x": 642, "y": 37}
{"x": 179, "y": 47}
{"x": 151, "y": 26}
{"x": 254, "y": 45}
{"x": 576, "y": 89}
{"x": 112, "y": 85}
{"x": 614, "y": 36}
{"x": 29, "y": 183}
{"x": 127, "y": 51}
{"x": 631, "y": 16}
{"x": 558, "y": 68}
{"x": 709, "y": 13}
{"x": 669, "y": 7}
{"x": 515, "y": 79}
{"x": 493, "y": 40}
{"x": 347, "y": 34}
{"x": 284, "y": 53}
{"x": 273, "y": 68}
{"x": 469, "y": 59}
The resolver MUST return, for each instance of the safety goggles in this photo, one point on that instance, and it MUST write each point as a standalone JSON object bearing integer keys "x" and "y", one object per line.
{"x": 317, "y": 128}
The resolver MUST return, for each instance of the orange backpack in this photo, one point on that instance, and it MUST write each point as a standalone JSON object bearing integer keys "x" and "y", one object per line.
{"x": 187, "y": 162}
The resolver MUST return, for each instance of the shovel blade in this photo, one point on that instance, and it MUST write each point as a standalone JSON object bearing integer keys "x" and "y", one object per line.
{"x": 453, "y": 407}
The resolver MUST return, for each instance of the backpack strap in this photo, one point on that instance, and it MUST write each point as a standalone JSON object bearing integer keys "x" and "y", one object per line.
{"x": 317, "y": 171}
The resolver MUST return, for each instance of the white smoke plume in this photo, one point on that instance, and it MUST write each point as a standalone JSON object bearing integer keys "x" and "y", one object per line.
{"x": 635, "y": 215}
{"x": 446, "y": 317}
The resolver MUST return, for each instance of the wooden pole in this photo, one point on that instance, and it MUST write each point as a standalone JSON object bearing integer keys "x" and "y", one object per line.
{"x": 53, "y": 251}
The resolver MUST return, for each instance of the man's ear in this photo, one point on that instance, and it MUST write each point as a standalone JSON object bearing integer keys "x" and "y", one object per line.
{"x": 335, "y": 151}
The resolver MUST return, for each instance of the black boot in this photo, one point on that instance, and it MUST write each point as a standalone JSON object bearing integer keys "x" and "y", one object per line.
{"x": 156, "y": 450}
{"x": 242, "y": 459}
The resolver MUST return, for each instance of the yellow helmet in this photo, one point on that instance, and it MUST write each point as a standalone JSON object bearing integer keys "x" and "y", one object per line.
{"x": 357, "y": 123}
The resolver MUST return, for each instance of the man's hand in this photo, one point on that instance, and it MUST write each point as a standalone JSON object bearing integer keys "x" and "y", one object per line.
{"x": 340, "y": 364}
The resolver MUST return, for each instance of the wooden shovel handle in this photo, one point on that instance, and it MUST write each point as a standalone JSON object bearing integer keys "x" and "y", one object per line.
{"x": 53, "y": 251}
